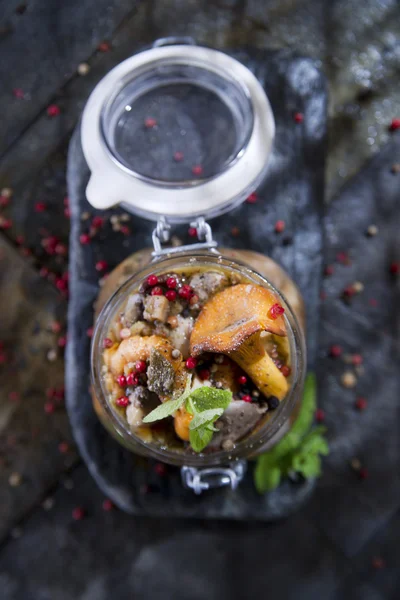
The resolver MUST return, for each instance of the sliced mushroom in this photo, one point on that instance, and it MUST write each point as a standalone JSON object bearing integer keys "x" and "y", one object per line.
{"x": 231, "y": 323}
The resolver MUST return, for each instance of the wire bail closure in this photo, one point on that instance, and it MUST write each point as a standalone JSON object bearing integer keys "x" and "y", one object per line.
{"x": 162, "y": 232}
{"x": 200, "y": 480}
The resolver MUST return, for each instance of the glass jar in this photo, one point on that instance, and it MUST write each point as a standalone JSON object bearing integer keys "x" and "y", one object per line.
{"x": 205, "y": 116}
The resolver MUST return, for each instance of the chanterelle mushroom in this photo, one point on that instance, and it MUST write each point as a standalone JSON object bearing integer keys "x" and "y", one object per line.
{"x": 232, "y": 323}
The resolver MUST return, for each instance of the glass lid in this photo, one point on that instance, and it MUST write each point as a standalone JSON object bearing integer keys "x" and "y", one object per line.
{"x": 179, "y": 131}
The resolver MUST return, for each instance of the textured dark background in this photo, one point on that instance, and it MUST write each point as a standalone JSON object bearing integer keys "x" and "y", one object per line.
{"x": 331, "y": 548}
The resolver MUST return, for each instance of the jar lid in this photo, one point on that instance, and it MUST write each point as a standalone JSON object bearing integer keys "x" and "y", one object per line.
{"x": 179, "y": 131}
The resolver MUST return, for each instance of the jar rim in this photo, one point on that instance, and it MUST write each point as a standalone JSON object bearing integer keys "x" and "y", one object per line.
{"x": 252, "y": 442}
{"x": 110, "y": 184}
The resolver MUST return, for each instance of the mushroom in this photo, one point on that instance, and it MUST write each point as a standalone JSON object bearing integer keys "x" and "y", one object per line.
{"x": 232, "y": 323}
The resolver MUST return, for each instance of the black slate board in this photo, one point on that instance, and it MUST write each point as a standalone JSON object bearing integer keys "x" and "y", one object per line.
{"x": 292, "y": 191}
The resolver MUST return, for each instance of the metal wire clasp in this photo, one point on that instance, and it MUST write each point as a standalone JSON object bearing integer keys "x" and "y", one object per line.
{"x": 161, "y": 235}
{"x": 200, "y": 480}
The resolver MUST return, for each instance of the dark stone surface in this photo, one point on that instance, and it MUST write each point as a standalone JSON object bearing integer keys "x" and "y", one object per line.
{"x": 283, "y": 195}
{"x": 30, "y": 460}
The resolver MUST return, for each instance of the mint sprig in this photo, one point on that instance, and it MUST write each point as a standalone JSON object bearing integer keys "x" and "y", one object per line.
{"x": 206, "y": 404}
{"x": 299, "y": 451}
{"x": 166, "y": 409}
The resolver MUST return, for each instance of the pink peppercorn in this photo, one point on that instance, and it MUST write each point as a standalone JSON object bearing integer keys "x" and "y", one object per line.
{"x": 53, "y": 110}
{"x": 178, "y": 156}
{"x": 275, "y": 311}
{"x": 84, "y": 238}
{"x": 242, "y": 380}
{"x": 107, "y": 505}
{"x": 132, "y": 379}
{"x": 319, "y": 415}
{"x": 140, "y": 366}
{"x": 40, "y": 207}
{"x": 361, "y": 403}
{"x": 197, "y": 170}
{"x": 252, "y": 198}
{"x": 78, "y": 513}
{"x": 285, "y": 370}
{"x": 204, "y": 374}
{"x": 152, "y": 280}
{"x": 101, "y": 265}
{"x": 279, "y": 226}
{"x": 247, "y": 398}
{"x": 394, "y": 125}
{"x": 157, "y": 291}
{"x": 107, "y": 343}
{"x": 298, "y": 117}
{"x": 149, "y": 123}
{"x": 185, "y": 292}
{"x": 122, "y": 402}
{"x": 335, "y": 351}
{"x": 191, "y": 362}
{"x": 192, "y": 231}
{"x": 121, "y": 380}
{"x": 170, "y": 295}
{"x": 171, "y": 283}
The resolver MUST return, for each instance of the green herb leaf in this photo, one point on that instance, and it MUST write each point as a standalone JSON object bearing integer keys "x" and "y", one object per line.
{"x": 207, "y": 398}
{"x": 299, "y": 450}
{"x": 206, "y": 404}
{"x": 205, "y": 417}
{"x": 199, "y": 438}
{"x": 167, "y": 408}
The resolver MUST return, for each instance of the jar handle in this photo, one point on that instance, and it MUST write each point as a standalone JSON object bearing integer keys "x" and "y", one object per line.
{"x": 200, "y": 480}
{"x": 161, "y": 235}
{"x": 174, "y": 40}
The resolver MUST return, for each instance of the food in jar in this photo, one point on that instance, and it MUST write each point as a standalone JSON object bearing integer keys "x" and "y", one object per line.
{"x": 196, "y": 360}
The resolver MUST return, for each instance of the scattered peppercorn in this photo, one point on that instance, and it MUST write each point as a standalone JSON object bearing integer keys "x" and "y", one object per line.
{"x": 348, "y": 379}
{"x": 298, "y": 117}
{"x": 361, "y": 403}
{"x": 204, "y": 374}
{"x": 356, "y": 359}
{"x": 171, "y": 283}
{"x": 107, "y": 505}
{"x": 395, "y": 168}
{"x": 149, "y": 123}
{"x": 84, "y": 238}
{"x": 394, "y": 125}
{"x": 242, "y": 380}
{"x": 178, "y": 156}
{"x": 40, "y": 207}
{"x": 343, "y": 258}
{"x": 363, "y": 473}
{"x": 104, "y": 46}
{"x": 279, "y": 226}
{"x": 247, "y": 398}
{"x": 53, "y": 110}
{"x": 372, "y": 230}
{"x": 78, "y": 513}
{"x": 319, "y": 415}
{"x": 378, "y": 563}
{"x": 192, "y": 232}
{"x": 329, "y": 270}
{"x": 285, "y": 370}
{"x": 101, "y": 265}
{"x": 197, "y": 170}
{"x": 394, "y": 268}
{"x": 252, "y": 198}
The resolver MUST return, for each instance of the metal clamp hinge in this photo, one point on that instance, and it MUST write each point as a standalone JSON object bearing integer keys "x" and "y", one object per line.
{"x": 161, "y": 235}
{"x": 200, "y": 480}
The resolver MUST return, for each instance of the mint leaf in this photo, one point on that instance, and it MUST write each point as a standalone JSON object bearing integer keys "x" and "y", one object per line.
{"x": 206, "y": 398}
{"x": 299, "y": 450}
{"x": 267, "y": 478}
{"x": 199, "y": 438}
{"x": 205, "y": 417}
{"x": 167, "y": 408}
{"x": 206, "y": 404}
